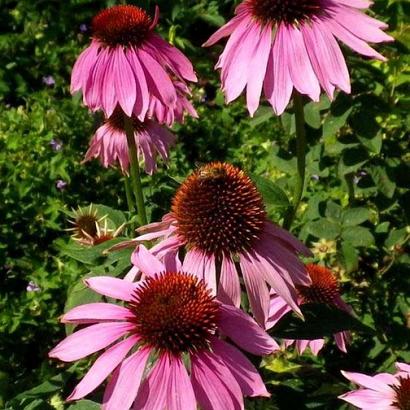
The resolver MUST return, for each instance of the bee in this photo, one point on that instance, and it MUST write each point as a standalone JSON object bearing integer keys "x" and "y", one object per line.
{"x": 211, "y": 172}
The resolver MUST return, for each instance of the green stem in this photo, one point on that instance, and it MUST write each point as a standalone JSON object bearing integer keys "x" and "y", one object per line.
{"x": 128, "y": 193}
{"x": 301, "y": 159}
{"x": 135, "y": 171}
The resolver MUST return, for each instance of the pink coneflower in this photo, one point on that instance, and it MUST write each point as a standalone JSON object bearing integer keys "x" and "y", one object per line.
{"x": 384, "y": 391}
{"x": 279, "y": 45}
{"x": 170, "y": 329}
{"x": 323, "y": 289}
{"x": 127, "y": 64}
{"x": 109, "y": 143}
{"x": 219, "y": 220}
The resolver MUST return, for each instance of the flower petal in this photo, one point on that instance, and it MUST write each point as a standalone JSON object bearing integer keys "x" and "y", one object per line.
{"x": 245, "y": 332}
{"x": 102, "y": 367}
{"x": 95, "y": 312}
{"x": 89, "y": 340}
{"x": 146, "y": 262}
{"x": 112, "y": 287}
{"x": 125, "y": 382}
{"x": 229, "y": 288}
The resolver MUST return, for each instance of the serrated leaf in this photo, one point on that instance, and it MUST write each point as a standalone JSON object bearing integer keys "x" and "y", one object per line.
{"x": 358, "y": 236}
{"x": 320, "y": 320}
{"x": 355, "y": 216}
{"x": 350, "y": 257}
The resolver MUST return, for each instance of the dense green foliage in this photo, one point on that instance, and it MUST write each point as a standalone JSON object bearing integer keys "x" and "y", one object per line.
{"x": 354, "y": 215}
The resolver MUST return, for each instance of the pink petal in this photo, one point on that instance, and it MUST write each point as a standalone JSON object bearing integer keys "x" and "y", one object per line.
{"x": 316, "y": 346}
{"x": 167, "y": 387}
{"x": 125, "y": 382}
{"x": 82, "y": 67}
{"x": 194, "y": 263}
{"x": 109, "y": 96}
{"x": 404, "y": 367}
{"x": 245, "y": 332}
{"x": 95, "y": 312}
{"x": 359, "y": 4}
{"x": 89, "y": 340}
{"x": 125, "y": 86}
{"x": 277, "y": 308}
{"x": 351, "y": 40}
{"x": 112, "y": 287}
{"x": 229, "y": 288}
{"x": 102, "y": 367}
{"x": 146, "y": 262}
{"x": 214, "y": 385}
{"x": 366, "y": 399}
{"x": 224, "y": 31}
{"x": 142, "y": 94}
{"x": 158, "y": 80}
{"x": 367, "y": 381}
{"x": 256, "y": 288}
{"x": 278, "y": 85}
{"x": 300, "y": 68}
{"x": 340, "y": 339}
{"x": 256, "y": 73}
{"x": 242, "y": 369}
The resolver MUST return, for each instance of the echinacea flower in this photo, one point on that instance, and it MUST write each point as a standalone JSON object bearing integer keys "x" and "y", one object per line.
{"x": 164, "y": 347}
{"x": 278, "y": 45}
{"x": 323, "y": 289}
{"x": 218, "y": 218}
{"x": 109, "y": 143}
{"x": 127, "y": 64}
{"x": 384, "y": 391}
{"x": 90, "y": 229}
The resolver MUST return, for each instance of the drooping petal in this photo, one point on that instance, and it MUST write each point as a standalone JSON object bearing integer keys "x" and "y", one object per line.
{"x": 96, "y": 312}
{"x": 257, "y": 71}
{"x": 146, "y": 262}
{"x": 300, "y": 68}
{"x": 229, "y": 289}
{"x": 214, "y": 385}
{"x": 369, "y": 399}
{"x": 166, "y": 387}
{"x": 89, "y": 340}
{"x": 243, "y": 370}
{"x": 125, "y": 86}
{"x": 224, "y": 31}
{"x": 367, "y": 381}
{"x": 257, "y": 289}
{"x": 102, "y": 367}
{"x": 82, "y": 67}
{"x": 123, "y": 387}
{"x": 245, "y": 332}
{"x": 112, "y": 287}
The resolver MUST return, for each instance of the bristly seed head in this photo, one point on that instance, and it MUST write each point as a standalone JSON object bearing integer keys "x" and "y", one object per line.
{"x": 123, "y": 25}
{"x": 324, "y": 287}
{"x": 285, "y": 11}
{"x": 402, "y": 393}
{"x": 219, "y": 210}
{"x": 175, "y": 313}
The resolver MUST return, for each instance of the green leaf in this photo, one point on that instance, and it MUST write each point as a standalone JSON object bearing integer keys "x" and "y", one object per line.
{"x": 272, "y": 194}
{"x": 332, "y": 124}
{"x": 358, "y": 236}
{"x": 382, "y": 181}
{"x": 355, "y": 216}
{"x": 117, "y": 217}
{"x": 312, "y": 115}
{"x": 324, "y": 228}
{"x": 320, "y": 320}
{"x": 350, "y": 257}
{"x": 85, "y": 405}
{"x": 279, "y": 364}
{"x": 396, "y": 236}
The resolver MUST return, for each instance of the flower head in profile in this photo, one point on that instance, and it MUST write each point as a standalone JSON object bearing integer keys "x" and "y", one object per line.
{"x": 384, "y": 391}
{"x": 128, "y": 65}
{"x": 164, "y": 347}
{"x": 278, "y": 45}
{"x": 218, "y": 219}
{"x": 323, "y": 289}
{"x": 109, "y": 143}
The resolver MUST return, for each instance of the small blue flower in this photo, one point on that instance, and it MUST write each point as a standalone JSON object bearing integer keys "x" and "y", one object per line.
{"x": 61, "y": 185}
{"x": 33, "y": 287}
{"x": 56, "y": 145}
{"x": 49, "y": 80}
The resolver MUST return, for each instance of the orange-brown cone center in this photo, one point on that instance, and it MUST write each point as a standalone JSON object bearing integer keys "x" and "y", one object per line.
{"x": 175, "y": 312}
{"x": 324, "y": 287}
{"x": 286, "y": 11}
{"x": 403, "y": 393}
{"x": 219, "y": 210}
{"x": 124, "y": 25}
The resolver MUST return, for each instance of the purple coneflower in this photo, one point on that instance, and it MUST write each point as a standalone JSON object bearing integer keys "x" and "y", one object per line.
{"x": 167, "y": 346}
{"x": 278, "y": 45}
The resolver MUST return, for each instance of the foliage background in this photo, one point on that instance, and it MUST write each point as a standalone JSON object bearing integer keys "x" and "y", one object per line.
{"x": 356, "y": 196}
